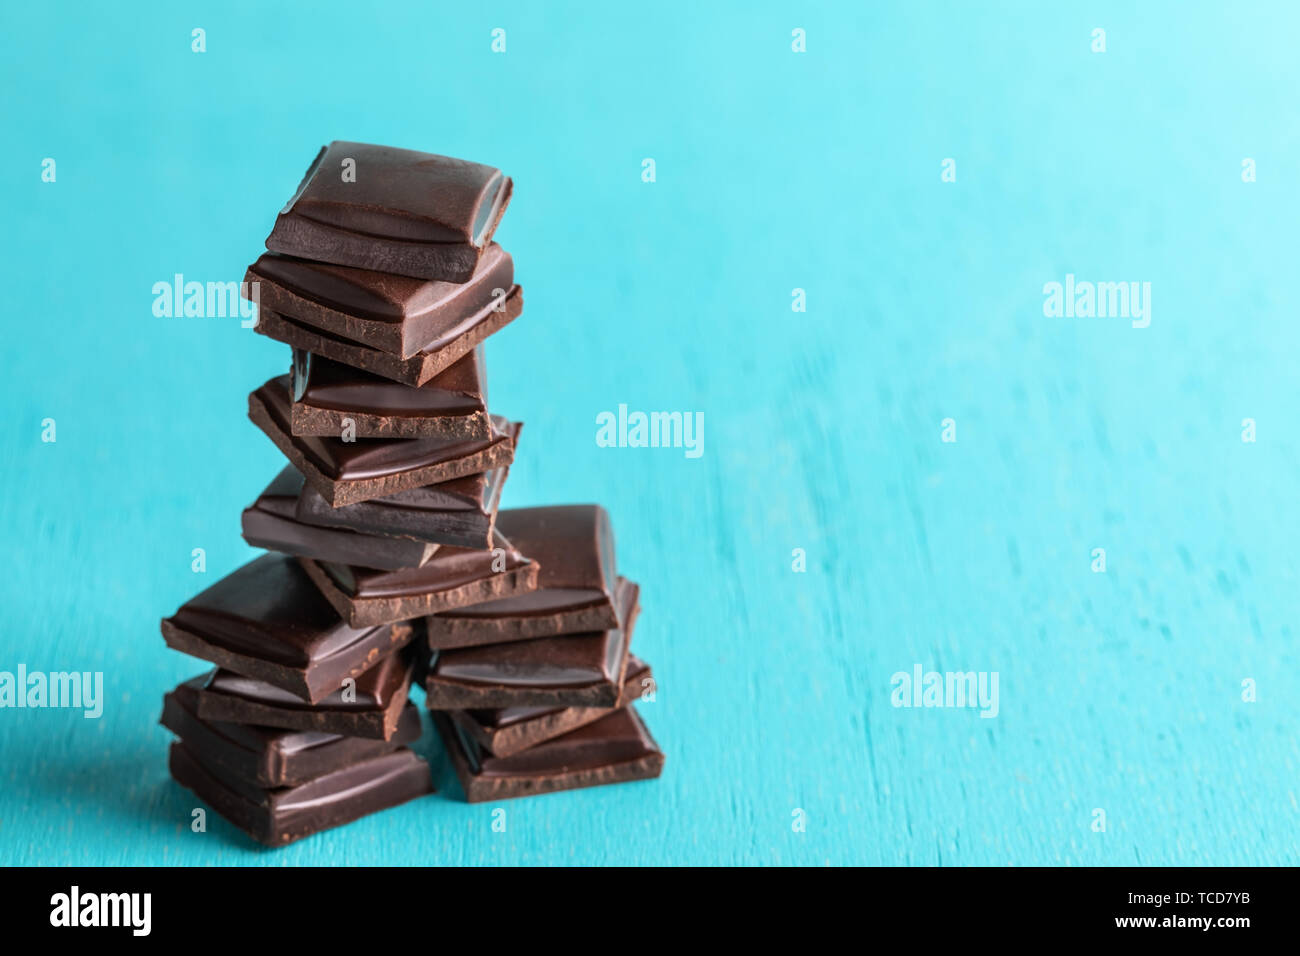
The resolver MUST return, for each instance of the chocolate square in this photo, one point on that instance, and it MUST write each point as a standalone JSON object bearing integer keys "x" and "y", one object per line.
{"x": 345, "y": 472}
{"x": 574, "y": 544}
{"x": 569, "y": 670}
{"x": 271, "y": 522}
{"x": 450, "y": 407}
{"x": 430, "y": 361}
{"x": 405, "y": 212}
{"x": 398, "y": 316}
{"x": 371, "y": 707}
{"x": 461, "y": 512}
{"x": 614, "y": 749}
{"x": 271, "y": 757}
{"x": 281, "y": 815}
{"x": 268, "y": 621}
{"x": 453, "y": 576}
{"x": 504, "y": 731}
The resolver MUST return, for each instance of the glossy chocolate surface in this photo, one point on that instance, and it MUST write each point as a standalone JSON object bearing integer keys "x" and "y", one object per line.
{"x": 276, "y": 816}
{"x": 500, "y": 718}
{"x": 267, "y": 620}
{"x": 617, "y": 736}
{"x": 272, "y": 522}
{"x": 448, "y": 568}
{"x": 369, "y": 457}
{"x": 267, "y": 756}
{"x": 614, "y": 749}
{"x": 345, "y": 472}
{"x": 403, "y": 212}
{"x": 370, "y": 706}
{"x": 375, "y": 689}
{"x": 563, "y": 661}
{"x": 508, "y": 730}
{"x": 574, "y": 544}
{"x": 322, "y": 384}
{"x": 400, "y": 194}
{"x": 392, "y": 313}
{"x": 269, "y": 609}
{"x": 432, "y": 358}
{"x": 460, "y": 512}
{"x": 451, "y": 578}
{"x": 578, "y": 670}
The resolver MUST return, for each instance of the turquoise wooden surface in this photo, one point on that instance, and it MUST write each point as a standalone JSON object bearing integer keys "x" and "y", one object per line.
{"x": 1120, "y": 691}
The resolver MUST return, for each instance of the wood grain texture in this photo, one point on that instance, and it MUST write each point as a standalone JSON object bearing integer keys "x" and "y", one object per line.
{"x": 775, "y": 171}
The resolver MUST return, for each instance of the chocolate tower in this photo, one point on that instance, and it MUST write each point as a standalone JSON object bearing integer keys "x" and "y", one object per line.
{"x": 389, "y": 560}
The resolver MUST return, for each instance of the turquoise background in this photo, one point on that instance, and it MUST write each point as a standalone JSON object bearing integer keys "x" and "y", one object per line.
{"x": 775, "y": 170}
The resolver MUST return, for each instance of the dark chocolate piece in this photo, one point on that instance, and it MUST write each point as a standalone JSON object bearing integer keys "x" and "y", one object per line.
{"x": 268, "y": 621}
{"x": 571, "y": 670}
{"x": 371, "y": 708}
{"x": 508, "y": 730}
{"x": 284, "y": 814}
{"x": 269, "y": 757}
{"x": 393, "y": 210}
{"x": 451, "y": 407}
{"x": 614, "y": 749}
{"x": 461, "y": 512}
{"x": 396, "y": 315}
{"x": 453, "y": 576}
{"x": 271, "y": 522}
{"x": 347, "y": 472}
{"x": 574, "y": 544}
{"x": 435, "y": 358}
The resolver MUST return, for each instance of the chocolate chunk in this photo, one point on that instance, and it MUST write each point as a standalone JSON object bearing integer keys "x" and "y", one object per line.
{"x": 269, "y": 757}
{"x": 371, "y": 708}
{"x": 345, "y": 472}
{"x": 614, "y": 749}
{"x": 271, "y": 522}
{"x": 571, "y": 670}
{"x": 574, "y": 544}
{"x": 406, "y": 212}
{"x": 508, "y": 730}
{"x": 433, "y": 359}
{"x": 451, "y": 407}
{"x": 393, "y": 314}
{"x": 453, "y": 576}
{"x": 280, "y": 815}
{"x": 460, "y": 512}
{"x": 268, "y": 621}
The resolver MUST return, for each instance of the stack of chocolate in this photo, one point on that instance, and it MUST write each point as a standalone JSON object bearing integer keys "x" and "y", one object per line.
{"x": 533, "y": 693}
{"x": 388, "y": 554}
